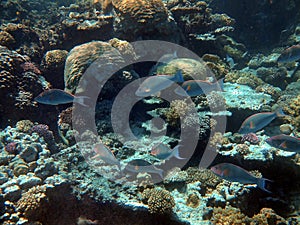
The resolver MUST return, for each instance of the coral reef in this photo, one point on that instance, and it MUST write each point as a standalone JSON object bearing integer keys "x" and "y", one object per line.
{"x": 144, "y": 19}
{"x": 159, "y": 201}
{"x": 18, "y": 86}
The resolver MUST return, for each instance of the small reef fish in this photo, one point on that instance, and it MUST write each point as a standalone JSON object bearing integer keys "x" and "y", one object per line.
{"x": 58, "y": 97}
{"x": 258, "y": 121}
{"x": 158, "y": 83}
{"x": 82, "y": 220}
{"x": 290, "y": 54}
{"x": 230, "y": 61}
{"x": 285, "y": 142}
{"x": 142, "y": 166}
{"x": 106, "y": 155}
{"x": 235, "y": 173}
{"x": 163, "y": 152}
{"x": 199, "y": 87}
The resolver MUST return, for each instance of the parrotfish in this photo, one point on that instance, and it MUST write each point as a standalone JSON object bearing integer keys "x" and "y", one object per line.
{"x": 285, "y": 142}
{"x": 198, "y": 87}
{"x": 142, "y": 166}
{"x": 258, "y": 121}
{"x": 235, "y": 173}
{"x": 165, "y": 59}
{"x": 158, "y": 83}
{"x": 104, "y": 153}
{"x": 290, "y": 54}
{"x": 163, "y": 152}
{"x": 58, "y": 97}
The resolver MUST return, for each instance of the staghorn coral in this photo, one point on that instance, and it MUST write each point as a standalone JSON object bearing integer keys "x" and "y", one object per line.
{"x": 30, "y": 204}
{"x": 159, "y": 201}
{"x": 229, "y": 216}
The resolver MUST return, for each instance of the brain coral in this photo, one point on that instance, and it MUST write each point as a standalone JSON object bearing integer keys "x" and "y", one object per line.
{"x": 82, "y": 56}
{"x": 143, "y": 18}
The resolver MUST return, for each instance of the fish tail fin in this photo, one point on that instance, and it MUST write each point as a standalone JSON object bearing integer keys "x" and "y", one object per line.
{"x": 80, "y": 100}
{"x": 221, "y": 84}
{"x": 160, "y": 173}
{"x": 264, "y": 184}
{"x": 179, "y": 77}
{"x": 176, "y": 152}
{"x": 279, "y": 112}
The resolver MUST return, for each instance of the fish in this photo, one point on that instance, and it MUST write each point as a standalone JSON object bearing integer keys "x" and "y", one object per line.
{"x": 157, "y": 83}
{"x": 163, "y": 152}
{"x": 104, "y": 153}
{"x": 82, "y": 220}
{"x": 199, "y": 87}
{"x": 58, "y": 97}
{"x": 290, "y": 54}
{"x": 258, "y": 121}
{"x": 233, "y": 173}
{"x": 143, "y": 166}
{"x": 285, "y": 142}
{"x": 165, "y": 59}
{"x": 230, "y": 61}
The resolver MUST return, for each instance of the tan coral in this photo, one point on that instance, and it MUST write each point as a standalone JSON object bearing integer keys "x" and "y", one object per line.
{"x": 159, "y": 201}
{"x": 30, "y": 202}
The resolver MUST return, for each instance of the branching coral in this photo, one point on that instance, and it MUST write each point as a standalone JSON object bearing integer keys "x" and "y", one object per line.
{"x": 159, "y": 201}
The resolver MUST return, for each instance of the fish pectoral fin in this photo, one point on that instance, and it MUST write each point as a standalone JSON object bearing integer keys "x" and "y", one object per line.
{"x": 283, "y": 145}
{"x": 252, "y": 125}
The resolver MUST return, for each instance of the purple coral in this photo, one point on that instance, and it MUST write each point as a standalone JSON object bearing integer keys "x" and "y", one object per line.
{"x": 12, "y": 148}
{"x": 30, "y": 67}
{"x": 43, "y": 131}
{"x": 250, "y": 137}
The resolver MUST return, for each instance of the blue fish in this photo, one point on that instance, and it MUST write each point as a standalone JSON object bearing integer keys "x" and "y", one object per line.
{"x": 58, "y": 97}
{"x": 104, "y": 153}
{"x": 285, "y": 142}
{"x": 290, "y": 54}
{"x": 157, "y": 83}
{"x": 199, "y": 87}
{"x": 258, "y": 121}
{"x": 142, "y": 166}
{"x": 235, "y": 173}
{"x": 163, "y": 152}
